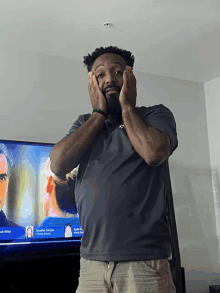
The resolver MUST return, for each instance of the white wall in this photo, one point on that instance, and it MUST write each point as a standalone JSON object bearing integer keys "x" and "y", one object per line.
{"x": 212, "y": 94}
{"x": 42, "y": 95}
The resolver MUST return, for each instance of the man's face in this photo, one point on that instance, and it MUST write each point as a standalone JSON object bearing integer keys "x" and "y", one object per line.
{"x": 108, "y": 69}
{"x": 3, "y": 180}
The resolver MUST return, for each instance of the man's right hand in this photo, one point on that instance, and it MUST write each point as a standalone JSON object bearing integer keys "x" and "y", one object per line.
{"x": 97, "y": 98}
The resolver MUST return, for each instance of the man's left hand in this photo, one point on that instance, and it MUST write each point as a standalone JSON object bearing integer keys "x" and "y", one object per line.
{"x": 128, "y": 92}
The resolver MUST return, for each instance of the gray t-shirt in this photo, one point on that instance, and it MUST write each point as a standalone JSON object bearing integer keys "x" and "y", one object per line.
{"x": 120, "y": 199}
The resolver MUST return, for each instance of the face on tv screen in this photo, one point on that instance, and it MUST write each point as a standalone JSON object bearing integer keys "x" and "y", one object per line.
{"x": 32, "y": 206}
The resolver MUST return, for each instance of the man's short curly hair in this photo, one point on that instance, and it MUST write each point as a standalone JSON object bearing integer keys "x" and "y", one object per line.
{"x": 90, "y": 59}
{"x": 4, "y": 151}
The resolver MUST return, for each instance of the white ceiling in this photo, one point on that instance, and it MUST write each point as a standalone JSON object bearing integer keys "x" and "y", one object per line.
{"x": 173, "y": 38}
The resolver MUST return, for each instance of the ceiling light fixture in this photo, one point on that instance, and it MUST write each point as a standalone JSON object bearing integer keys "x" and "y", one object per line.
{"x": 107, "y": 24}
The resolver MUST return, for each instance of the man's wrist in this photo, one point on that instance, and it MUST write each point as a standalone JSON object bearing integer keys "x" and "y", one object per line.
{"x": 104, "y": 113}
{"x": 98, "y": 115}
{"x": 128, "y": 108}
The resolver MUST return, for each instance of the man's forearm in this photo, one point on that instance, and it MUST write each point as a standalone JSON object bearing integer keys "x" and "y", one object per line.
{"x": 66, "y": 154}
{"x": 145, "y": 140}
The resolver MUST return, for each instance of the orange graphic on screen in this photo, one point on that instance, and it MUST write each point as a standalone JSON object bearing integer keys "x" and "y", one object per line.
{"x": 51, "y": 206}
{"x": 49, "y": 200}
{"x": 3, "y": 180}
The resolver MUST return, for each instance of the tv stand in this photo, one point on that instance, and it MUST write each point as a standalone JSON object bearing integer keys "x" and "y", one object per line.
{"x": 55, "y": 273}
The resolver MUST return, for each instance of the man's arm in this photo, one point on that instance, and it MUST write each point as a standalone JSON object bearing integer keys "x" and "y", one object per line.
{"x": 66, "y": 154}
{"x": 149, "y": 143}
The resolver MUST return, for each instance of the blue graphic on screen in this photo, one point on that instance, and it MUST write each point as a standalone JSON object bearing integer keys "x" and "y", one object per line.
{"x": 30, "y": 207}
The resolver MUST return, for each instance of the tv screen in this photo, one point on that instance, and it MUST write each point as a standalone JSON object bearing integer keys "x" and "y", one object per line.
{"x": 36, "y": 214}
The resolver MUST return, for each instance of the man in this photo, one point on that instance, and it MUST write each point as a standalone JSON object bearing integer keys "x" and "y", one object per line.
{"x": 59, "y": 199}
{"x": 122, "y": 151}
{"x": 6, "y": 163}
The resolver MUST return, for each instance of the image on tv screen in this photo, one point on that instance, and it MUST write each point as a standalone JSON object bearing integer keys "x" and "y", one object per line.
{"x": 33, "y": 204}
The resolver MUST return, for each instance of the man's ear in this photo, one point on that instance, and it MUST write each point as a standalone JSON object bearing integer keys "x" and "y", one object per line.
{"x": 50, "y": 185}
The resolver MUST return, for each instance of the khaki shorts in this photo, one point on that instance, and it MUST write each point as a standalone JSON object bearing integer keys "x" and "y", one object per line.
{"x": 150, "y": 276}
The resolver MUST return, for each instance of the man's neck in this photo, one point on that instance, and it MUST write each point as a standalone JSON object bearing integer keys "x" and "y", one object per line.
{"x": 115, "y": 118}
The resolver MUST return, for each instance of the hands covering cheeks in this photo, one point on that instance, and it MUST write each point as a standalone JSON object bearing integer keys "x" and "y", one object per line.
{"x": 129, "y": 91}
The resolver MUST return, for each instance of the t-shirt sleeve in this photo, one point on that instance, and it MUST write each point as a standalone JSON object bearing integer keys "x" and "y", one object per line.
{"x": 79, "y": 122}
{"x": 162, "y": 119}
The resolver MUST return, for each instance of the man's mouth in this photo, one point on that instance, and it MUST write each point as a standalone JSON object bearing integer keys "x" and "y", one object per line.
{"x": 112, "y": 90}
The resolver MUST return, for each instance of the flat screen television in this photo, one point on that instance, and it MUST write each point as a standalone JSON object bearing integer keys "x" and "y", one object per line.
{"x": 32, "y": 219}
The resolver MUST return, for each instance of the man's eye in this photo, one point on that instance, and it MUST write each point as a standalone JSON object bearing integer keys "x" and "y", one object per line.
{"x": 3, "y": 177}
{"x": 101, "y": 73}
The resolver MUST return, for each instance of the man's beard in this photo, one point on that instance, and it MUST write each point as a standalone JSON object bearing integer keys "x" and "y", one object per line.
{"x": 113, "y": 106}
